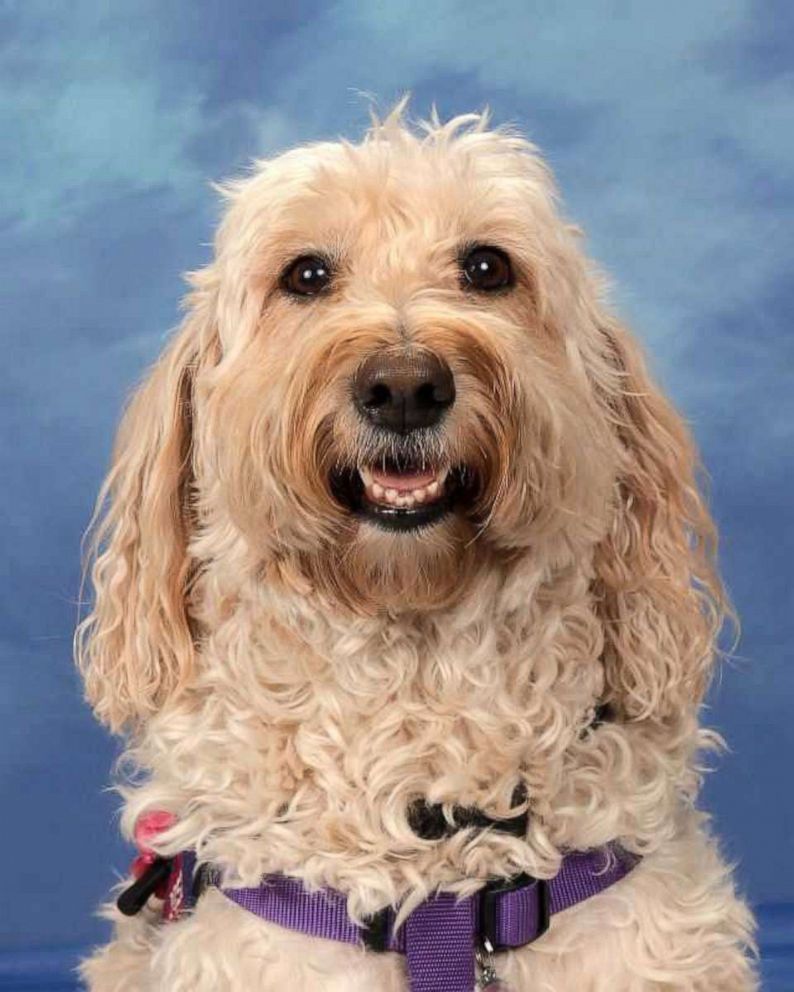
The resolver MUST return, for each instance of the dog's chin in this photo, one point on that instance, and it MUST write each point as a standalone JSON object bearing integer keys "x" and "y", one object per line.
{"x": 404, "y": 498}
{"x": 407, "y": 542}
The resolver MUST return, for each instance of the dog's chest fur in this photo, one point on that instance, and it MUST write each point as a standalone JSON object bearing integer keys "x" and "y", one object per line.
{"x": 305, "y": 744}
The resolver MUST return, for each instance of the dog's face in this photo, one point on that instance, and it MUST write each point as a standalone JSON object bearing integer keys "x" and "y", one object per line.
{"x": 396, "y": 383}
{"x": 398, "y": 400}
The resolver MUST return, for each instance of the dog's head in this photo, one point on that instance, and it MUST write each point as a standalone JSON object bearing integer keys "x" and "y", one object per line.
{"x": 395, "y": 376}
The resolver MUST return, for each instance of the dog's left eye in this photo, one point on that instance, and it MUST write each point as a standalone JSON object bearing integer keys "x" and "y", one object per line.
{"x": 486, "y": 269}
{"x": 306, "y": 276}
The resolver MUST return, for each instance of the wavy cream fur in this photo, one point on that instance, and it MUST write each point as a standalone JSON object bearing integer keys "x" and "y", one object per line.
{"x": 290, "y": 679}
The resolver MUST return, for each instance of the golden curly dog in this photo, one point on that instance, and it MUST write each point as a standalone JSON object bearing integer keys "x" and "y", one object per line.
{"x": 397, "y": 512}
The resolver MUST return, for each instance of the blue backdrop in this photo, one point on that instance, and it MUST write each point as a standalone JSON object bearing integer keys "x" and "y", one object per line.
{"x": 671, "y": 129}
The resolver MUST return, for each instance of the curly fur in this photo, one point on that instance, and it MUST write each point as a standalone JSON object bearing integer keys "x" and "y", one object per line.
{"x": 290, "y": 679}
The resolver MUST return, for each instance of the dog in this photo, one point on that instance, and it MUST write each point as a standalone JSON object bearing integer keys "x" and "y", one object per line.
{"x": 406, "y": 595}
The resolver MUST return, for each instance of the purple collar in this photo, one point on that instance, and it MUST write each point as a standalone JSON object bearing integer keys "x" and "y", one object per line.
{"x": 444, "y": 937}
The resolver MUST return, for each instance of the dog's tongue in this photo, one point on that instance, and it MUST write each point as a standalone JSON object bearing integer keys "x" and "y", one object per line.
{"x": 403, "y": 481}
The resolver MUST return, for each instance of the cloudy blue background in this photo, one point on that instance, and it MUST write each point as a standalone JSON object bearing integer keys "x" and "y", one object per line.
{"x": 671, "y": 129}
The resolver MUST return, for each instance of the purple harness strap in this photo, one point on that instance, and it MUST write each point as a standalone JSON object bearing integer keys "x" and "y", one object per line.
{"x": 440, "y": 936}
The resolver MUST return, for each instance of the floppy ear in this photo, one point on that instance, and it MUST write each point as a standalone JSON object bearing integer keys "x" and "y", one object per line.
{"x": 135, "y": 648}
{"x": 660, "y": 597}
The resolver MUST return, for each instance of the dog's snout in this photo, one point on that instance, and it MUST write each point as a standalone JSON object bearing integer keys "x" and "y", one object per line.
{"x": 403, "y": 390}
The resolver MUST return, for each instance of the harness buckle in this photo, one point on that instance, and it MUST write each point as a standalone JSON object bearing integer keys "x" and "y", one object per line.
{"x": 375, "y": 933}
{"x": 488, "y": 928}
{"x": 136, "y": 895}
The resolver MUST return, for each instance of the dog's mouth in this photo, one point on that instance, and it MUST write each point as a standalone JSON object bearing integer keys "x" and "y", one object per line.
{"x": 402, "y": 495}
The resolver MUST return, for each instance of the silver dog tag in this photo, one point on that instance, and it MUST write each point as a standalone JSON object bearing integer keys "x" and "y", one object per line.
{"x": 488, "y": 978}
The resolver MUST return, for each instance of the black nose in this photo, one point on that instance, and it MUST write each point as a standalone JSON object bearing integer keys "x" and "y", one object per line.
{"x": 404, "y": 389}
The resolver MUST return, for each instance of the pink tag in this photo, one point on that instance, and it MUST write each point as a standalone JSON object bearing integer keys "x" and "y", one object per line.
{"x": 148, "y": 826}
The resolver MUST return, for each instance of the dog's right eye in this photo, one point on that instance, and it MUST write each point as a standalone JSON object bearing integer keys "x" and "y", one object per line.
{"x": 306, "y": 276}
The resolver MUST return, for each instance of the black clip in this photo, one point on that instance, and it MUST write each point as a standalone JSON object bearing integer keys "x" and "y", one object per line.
{"x": 203, "y": 879}
{"x": 134, "y": 898}
{"x": 489, "y": 906}
{"x": 375, "y": 934}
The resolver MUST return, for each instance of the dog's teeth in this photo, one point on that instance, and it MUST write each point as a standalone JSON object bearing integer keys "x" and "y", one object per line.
{"x": 402, "y": 497}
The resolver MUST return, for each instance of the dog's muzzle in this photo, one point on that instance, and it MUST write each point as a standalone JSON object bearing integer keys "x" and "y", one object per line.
{"x": 403, "y": 480}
